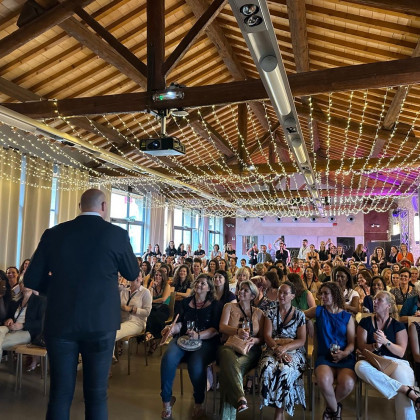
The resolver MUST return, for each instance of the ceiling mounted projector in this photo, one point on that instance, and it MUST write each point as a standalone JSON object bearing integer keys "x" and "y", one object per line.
{"x": 162, "y": 146}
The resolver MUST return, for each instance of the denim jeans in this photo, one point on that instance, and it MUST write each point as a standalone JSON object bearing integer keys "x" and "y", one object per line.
{"x": 197, "y": 367}
{"x": 96, "y": 350}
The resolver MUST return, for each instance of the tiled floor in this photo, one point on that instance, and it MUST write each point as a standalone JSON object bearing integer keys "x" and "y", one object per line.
{"x": 136, "y": 397}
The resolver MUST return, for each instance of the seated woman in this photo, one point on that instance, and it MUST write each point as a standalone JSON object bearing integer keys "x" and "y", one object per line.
{"x": 272, "y": 285}
{"x": 221, "y": 285}
{"x": 311, "y": 280}
{"x": 136, "y": 304}
{"x": 160, "y": 290}
{"x": 341, "y": 275}
{"x": 212, "y": 266}
{"x": 181, "y": 285}
{"x": 283, "y": 362}
{"x": 303, "y": 297}
{"x": 385, "y": 336}
{"x": 24, "y": 321}
{"x": 242, "y": 273}
{"x": 378, "y": 284}
{"x": 147, "y": 269}
{"x": 414, "y": 337}
{"x": 405, "y": 290}
{"x": 201, "y": 308}
{"x": 411, "y": 306}
{"x": 261, "y": 301}
{"x": 245, "y": 321}
{"x": 364, "y": 281}
{"x": 334, "y": 330}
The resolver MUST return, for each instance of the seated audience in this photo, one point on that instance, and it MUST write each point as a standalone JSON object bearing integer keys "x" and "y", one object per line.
{"x": 212, "y": 266}
{"x": 395, "y": 279}
{"x": 242, "y": 273}
{"x": 160, "y": 290}
{"x": 23, "y": 321}
{"x": 341, "y": 275}
{"x": 378, "y": 284}
{"x": 386, "y": 275}
{"x": 202, "y": 308}
{"x": 392, "y": 257}
{"x": 404, "y": 290}
{"x": 196, "y": 268}
{"x": 199, "y": 253}
{"x": 311, "y": 280}
{"x": 379, "y": 258}
{"x": 312, "y": 254}
{"x": 272, "y": 285}
{"x": 245, "y": 321}
{"x": 335, "y": 332}
{"x": 414, "y": 275}
{"x": 222, "y": 293}
{"x": 283, "y": 362}
{"x": 216, "y": 252}
{"x": 171, "y": 251}
{"x": 230, "y": 252}
{"x": 385, "y": 336}
{"x": 414, "y": 337}
{"x": 303, "y": 297}
{"x": 327, "y": 269}
{"x": 136, "y": 304}
{"x": 261, "y": 301}
{"x": 232, "y": 267}
{"x": 181, "y": 285}
{"x": 411, "y": 306}
{"x": 404, "y": 257}
{"x": 364, "y": 281}
{"x": 359, "y": 255}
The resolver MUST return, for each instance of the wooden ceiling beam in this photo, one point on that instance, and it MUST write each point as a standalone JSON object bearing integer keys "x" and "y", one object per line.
{"x": 39, "y": 25}
{"x": 15, "y": 91}
{"x": 112, "y": 41}
{"x": 102, "y": 49}
{"x": 193, "y": 34}
{"x": 297, "y": 22}
{"x": 364, "y": 76}
{"x": 411, "y": 7}
{"x": 287, "y": 168}
{"x": 155, "y": 45}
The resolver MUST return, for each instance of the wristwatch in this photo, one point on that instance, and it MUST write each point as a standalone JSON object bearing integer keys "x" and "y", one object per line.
{"x": 388, "y": 343}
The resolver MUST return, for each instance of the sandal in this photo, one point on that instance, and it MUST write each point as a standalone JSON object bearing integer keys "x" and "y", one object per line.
{"x": 153, "y": 346}
{"x": 333, "y": 415}
{"x": 242, "y": 405}
{"x": 417, "y": 394}
{"x": 167, "y": 411}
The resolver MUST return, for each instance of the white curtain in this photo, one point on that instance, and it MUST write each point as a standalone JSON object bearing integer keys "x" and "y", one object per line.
{"x": 37, "y": 204}
{"x": 10, "y": 170}
{"x": 72, "y": 184}
{"x": 157, "y": 220}
{"x": 169, "y": 231}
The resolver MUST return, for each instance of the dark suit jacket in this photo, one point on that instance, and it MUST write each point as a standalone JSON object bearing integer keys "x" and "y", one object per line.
{"x": 76, "y": 265}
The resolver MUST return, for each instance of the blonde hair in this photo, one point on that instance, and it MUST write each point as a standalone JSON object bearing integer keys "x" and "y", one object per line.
{"x": 393, "y": 310}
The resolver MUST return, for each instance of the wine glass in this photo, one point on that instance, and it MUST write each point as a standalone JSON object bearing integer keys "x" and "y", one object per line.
{"x": 190, "y": 325}
{"x": 246, "y": 326}
{"x": 334, "y": 347}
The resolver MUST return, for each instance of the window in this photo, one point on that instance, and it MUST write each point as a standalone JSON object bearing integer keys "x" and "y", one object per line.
{"x": 215, "y": 232}
{"x": 21, "y": 204}
{"x": 186, "y": 228}
{"x": 54, "y": 198}
{"x": 127, "y": 211}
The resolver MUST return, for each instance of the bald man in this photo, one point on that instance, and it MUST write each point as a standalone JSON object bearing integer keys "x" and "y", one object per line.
{"x": 76, "y": 265}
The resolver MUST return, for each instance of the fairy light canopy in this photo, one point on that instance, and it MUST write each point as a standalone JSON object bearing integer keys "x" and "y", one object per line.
{"x": 353, "y": 69}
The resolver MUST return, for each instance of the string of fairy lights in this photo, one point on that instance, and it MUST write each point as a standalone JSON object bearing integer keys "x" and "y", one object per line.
{"x": 359, "y": 186}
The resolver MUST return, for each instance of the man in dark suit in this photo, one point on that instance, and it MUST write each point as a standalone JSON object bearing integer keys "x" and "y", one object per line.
{"x": 76, "y": 265}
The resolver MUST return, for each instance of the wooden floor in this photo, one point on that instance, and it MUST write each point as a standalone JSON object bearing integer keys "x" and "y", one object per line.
{"x": 136, "y": 397}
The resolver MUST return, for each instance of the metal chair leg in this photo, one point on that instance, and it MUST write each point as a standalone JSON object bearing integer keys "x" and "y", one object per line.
{"x": 128, "y": 356}
{"x": 181, "y": 380}
{"x": 45, "y": 373}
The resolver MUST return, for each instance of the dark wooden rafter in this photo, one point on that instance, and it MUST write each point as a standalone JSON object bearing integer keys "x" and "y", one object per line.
{"x": 102, "y": 49}
{"x": 411, "y": 7}
{"x": 193, "y": 34}
{"x": 112, "y": 41}
{"x": 155, "y": 45}
{"x": 357, "y": 77}
{"x": 297, "y": 22}
{"x": 243, "y": 130}
{"x": 39, "y": 25}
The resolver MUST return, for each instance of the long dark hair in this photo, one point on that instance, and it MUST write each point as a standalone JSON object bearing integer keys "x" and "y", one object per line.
{"x": 225, "y": 286}
{"x": 177, "y": 281}
{"x": 336, "y": 293}
{"x": 346, "y": 271}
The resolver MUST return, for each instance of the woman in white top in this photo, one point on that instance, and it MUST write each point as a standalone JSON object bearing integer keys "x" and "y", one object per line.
{"x": 216, "y": 252}
{"x": 136, "y": 304}
{"x": 342, "y": 276}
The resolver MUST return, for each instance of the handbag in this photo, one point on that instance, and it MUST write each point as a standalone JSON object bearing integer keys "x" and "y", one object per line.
{"x": 238, "y": 345}
{"x": 383, "y": 364}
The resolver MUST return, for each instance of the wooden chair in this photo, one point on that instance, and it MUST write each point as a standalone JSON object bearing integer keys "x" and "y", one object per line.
{"x": 31, "y": 350}
{"x": 313, "y": 385}
{"x": 131, "y": 339}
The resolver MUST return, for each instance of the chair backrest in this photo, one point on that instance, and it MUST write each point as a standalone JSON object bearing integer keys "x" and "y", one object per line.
{"x": 411, "y": 319}
{"x": 171, "y": 307}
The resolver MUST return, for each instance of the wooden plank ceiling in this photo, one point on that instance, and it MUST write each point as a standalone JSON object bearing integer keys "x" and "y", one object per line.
{"x": 353, "y": 66}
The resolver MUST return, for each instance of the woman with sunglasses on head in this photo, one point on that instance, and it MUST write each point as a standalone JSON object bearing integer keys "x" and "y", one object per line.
{"x": 245, "y": 321}
{"x": 386, "y": 337}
